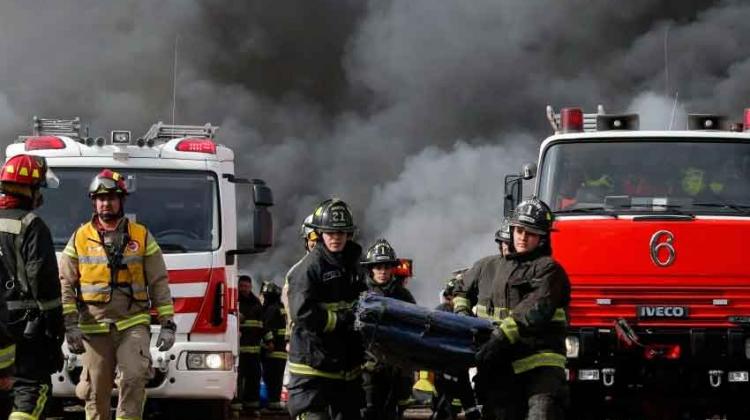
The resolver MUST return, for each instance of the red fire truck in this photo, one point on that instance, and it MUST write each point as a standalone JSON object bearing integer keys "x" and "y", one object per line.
{"x": 651, "y": 228}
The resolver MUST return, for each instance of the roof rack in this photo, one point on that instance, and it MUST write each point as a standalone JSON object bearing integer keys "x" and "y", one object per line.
{"x": 57, "y": 127}
{"x": 161, "y": 131}
{"x": 589, "y": 120}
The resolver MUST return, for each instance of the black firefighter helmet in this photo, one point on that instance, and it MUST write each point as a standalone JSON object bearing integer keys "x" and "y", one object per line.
{"x": 332, "y": 215}
{"x": 533, "y": 215}
{"x": 270, "y": 288}
{"x": 503, "y": 234}
{"x": 381, "y": 252}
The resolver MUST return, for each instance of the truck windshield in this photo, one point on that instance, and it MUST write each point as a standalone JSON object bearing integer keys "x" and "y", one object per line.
{"x": 180, "y": 208}
{"x": 647, "y": 175}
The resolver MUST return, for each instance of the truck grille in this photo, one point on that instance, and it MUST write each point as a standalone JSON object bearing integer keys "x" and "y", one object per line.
{"x": 600, "y": 306}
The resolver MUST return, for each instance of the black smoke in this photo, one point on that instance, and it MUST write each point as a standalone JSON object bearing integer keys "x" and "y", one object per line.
{"x": 410, "y": 110}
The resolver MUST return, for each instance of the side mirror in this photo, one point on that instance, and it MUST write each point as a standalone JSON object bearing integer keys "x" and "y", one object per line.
{"x": 512, "y": 193}
{"x": 528, "y": 171}
{"x": 254, "y": 220}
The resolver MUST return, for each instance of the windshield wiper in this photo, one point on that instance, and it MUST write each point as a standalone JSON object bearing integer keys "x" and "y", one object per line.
{"x": 589, "y": 210}
{"x": 166, "y": 246}
{"x": 739, "y": 208}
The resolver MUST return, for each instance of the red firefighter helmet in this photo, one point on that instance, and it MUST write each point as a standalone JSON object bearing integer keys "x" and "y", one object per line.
{"x": 28, "y": 170}
{"x": 108, "y": 181}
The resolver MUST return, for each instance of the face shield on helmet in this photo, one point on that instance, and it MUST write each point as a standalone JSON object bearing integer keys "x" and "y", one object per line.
{"x": 108, "y": 181}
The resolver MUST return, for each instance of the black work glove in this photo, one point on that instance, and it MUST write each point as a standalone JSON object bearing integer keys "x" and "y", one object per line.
{"x": 492, "y": 351}
{"x": 73, "y": 334}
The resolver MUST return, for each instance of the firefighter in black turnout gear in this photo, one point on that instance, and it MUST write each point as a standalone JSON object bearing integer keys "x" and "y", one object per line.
{"x": 504, "y": 237}
{"x": 274, "y": 356}
{"x": 251, "y": 335}
{"x": 387, "y": 388}
{"x": 31, "y": 287}
{"x": 453, "y": 388}
{"x": 527, "y": 294}
{"x": 326, "y": 353}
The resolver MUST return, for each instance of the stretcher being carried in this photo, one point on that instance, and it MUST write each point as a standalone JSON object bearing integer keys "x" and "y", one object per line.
{"x": 415, "y": 337}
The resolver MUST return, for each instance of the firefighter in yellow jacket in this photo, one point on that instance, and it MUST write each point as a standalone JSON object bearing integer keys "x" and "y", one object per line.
{"x": 112, "y": 272}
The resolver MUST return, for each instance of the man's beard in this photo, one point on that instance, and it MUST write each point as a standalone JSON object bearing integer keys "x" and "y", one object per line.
{"x": 108, "y": 216}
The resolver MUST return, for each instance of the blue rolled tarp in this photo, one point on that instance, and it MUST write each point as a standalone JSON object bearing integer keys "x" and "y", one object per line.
{"x": 414, "y": 337}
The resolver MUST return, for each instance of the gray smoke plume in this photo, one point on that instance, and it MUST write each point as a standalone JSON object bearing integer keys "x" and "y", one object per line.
{"x": 412, "y": 111}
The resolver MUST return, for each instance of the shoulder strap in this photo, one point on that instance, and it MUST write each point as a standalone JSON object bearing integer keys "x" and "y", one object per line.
{"x": 20, "y": 265}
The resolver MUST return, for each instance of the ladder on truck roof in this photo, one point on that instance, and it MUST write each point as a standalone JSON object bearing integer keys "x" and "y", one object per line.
{"x": 57, "y": 127}
{"x": 161, "y": 131}
{"x": 589, "y": 120}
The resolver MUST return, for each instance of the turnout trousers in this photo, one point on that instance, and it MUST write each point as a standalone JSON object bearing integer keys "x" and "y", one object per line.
{"x": 454, "y": 393}
{"x": 32, "y": 385}
{"x": 382, "y": 389}
{"x": 125, "y": 353}
{"x": 273, "y": 376}
{"x": 538, "y": 394}
{"x": 317, "y": 398}
{"x": 249, "y": 380}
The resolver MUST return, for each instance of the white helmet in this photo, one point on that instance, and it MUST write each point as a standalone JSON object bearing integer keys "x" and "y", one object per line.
{"x": 305, "y": 230}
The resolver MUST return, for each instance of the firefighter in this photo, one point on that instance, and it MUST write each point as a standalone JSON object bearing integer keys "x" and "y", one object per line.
{"x": 274, "y": 358}
{"x": 387, "y": 388}
{"x": 326, "y": 353}
{"x": 527, "y": 294}
{"x": 251, "y": 336}
{"x": 29, "y": 276}
{"x": 503, "y": 237}
{"x": 112, "y": 273}
{"x": 309, "y": 239}
{"x": 453, "y": 388}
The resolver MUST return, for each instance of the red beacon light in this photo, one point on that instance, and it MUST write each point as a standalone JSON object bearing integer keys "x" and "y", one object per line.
{"x": 43, "y": 142}
{"x": 197, "y": 145}
{"x": 571, "y": 120}
{"x": 747, "y": 119}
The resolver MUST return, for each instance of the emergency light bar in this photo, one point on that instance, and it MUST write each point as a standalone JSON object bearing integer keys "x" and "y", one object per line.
{"x": 43, "y": 142}
{"x": 573, "y": 120}
{"x": 405, "y": 268}
{"x": 197, "y": 146}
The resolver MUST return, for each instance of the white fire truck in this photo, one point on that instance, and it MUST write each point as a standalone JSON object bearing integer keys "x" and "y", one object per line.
{"x": 183, "y": 187}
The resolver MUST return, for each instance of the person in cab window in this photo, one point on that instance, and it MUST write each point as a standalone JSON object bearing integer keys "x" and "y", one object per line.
{"x": 112, "y": 274}
{"x": 326, "y": 354}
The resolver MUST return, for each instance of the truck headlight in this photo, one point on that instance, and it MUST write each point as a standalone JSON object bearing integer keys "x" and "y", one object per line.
{"x": 572, "y": 346}
{"x": 210, "y": 360}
